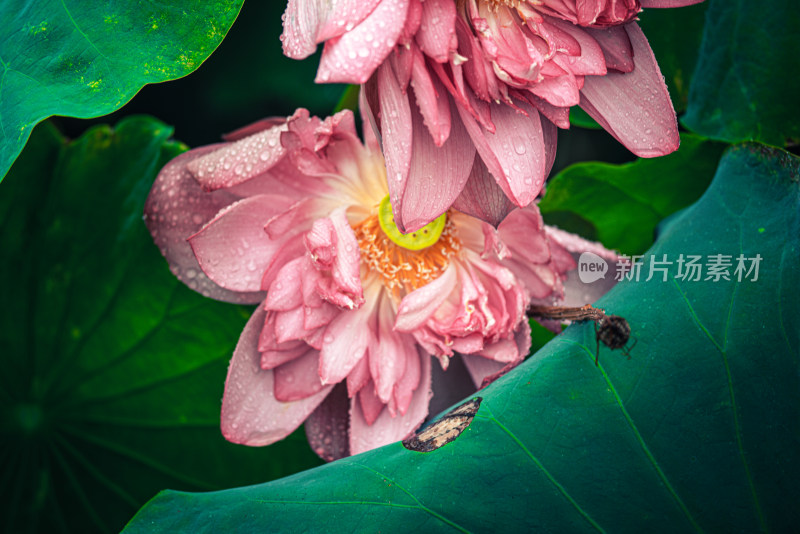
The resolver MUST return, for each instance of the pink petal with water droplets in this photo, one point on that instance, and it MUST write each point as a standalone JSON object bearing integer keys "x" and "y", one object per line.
{"x": 301, "y": 131}
{"x": 395, "y": 124}
{"x": 388, "y": 352}
{"x": 590, "y": 60}
{"x": 534, "y": 259}
{"x": 266, "y": 340}
{"x": 371, "y": 406}
{"x": 575, "y": 243}
{"x": 285, "y": 293}
{"x": 474, "y": 69}
{"x": 270, "y": 359}
{"x": 273, "y": 353}
{"x": 616, "y": 46}
{"x": 337, "y": 245}
{"x": 437, "y": 29}
{"x": 298, "y": 217}
{"x": 523, "y": 233}
{"x": 235, "y": 163}
{"x": 327, "y": 426}
{"x": 540, "y": 281}
{"x": 401, "y": 61}
{"x": 176, "y": 193}
{"x": 291, "y": 249}
{"x": 588, "y": 11}
{"x": 468, "y": 344}
{"x": 482, "y": 197}
{"x": 298, "y": 379}
{"x": 558, "y": 37}
{"x": 250, "y": 413}
{"x": 308, "y": 22}
{"x": 289, "y": 326}
{"x": 560, "y": 91}
{"x": 348, "y": 256}
{"x": 504, "y": 351}
{"x": 556, "y": 115}
{"x": 354, "y": 56}
{"x": 644, "y": 120}
{"x": 321, "y": 244}
{"x": 515, "y": 153}
{"x": 404, "y": 391}
{"x": 345, "y": 342}
{"x": 499, "y": 357}
{"x": 358, "y": 377}
{"x": 233, "y": 249}
{"x": 422, "y": 303}
{"x": 480, "y": 367}
{"x": 436, "y": 175}
{"x": 432, "y": 100}
{"x": 316, "y": 317}
{"x": 591, "y": 12}
{"x": 387, "y": 429}
{"x": 411, "y": 26}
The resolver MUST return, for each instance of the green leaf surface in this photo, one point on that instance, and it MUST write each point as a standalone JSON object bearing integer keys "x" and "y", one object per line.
{"x": 85, "y": 59}
{"x": 113, "y": 370}
{"x": 622, "y": 204}
{"x": 746, "y": 83}
{"x": 698, "y": 431}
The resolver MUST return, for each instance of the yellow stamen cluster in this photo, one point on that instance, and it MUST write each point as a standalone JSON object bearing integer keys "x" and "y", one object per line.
{"x": 403, "y": 270}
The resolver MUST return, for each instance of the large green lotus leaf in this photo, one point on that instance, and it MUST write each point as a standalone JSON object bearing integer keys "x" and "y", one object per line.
{"x": 620, "y": 205}
{"x": 746, "y": 84}
{"x": 85, "y": 58}
{"x": 698, "y": 431}
{"x": 113, "y": 370}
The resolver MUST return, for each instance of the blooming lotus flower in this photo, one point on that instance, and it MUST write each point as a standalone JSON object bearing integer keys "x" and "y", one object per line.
{"x": 467, "y": 94}
{"x": 294, "y": 215}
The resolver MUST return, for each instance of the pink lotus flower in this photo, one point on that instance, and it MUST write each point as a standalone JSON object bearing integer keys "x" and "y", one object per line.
{"x": 471, "y": 91}
{"x": 299, "y": 208}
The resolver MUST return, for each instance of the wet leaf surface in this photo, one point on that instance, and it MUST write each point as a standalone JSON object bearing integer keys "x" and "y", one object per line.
{"x": 85, "y": 59}
{"x": 745, "y": 85}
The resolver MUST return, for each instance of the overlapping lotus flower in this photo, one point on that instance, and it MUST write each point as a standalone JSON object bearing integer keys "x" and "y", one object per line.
{"x": 471, "y": 91}
{"x": 294, "y": 215}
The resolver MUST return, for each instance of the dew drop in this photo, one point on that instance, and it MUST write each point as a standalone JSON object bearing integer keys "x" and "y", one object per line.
{"x": 519, "y": 145}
